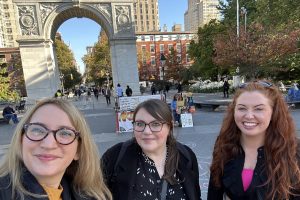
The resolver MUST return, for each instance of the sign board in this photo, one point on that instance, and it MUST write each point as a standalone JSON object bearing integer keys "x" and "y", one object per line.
{"x": 125, "y": 119}
{"x": 130, "y": 103}
{"x": 186, "y": 120}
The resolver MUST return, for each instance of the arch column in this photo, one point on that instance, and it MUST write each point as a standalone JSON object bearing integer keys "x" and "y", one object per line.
{"x": 124, "y": 62}
{"x": 40, "y": 74}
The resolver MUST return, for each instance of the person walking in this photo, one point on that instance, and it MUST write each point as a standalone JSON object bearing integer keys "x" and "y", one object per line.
{"x": 128, "y": 91}
{"x": 96, "y": 93}
{"x": 226, "y": 88}
{"x": 9, "y": 113}
{"x": 153, "y": 89}
{"x": 152, "y": 165}
{"x": 256, "y": 155}
{"x": 119, "y": 90}
{"x": 107, "y": 94}
{"x": 52, "y": 156}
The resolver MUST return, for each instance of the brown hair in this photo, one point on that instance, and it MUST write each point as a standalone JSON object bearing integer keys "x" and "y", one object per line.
{"x": 280, "y": 146}
{"x": 161, "y": 111}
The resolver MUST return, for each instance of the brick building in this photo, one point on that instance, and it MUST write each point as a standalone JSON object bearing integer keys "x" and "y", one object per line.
{"x": 151, "y": 45}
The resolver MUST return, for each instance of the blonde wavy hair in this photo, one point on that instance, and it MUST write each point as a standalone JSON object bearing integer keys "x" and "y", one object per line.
{"x": 86, "y": 171}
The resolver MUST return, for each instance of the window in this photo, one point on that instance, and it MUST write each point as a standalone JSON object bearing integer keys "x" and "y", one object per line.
{"x": 187, "y": 46}
{"x": 6, "y": 15}
{"x": 170, "y": 47}
{"x": 143, "y": 38}
{"x": 5, "y": 6}
{"x": 178, "y": 37}
{"x": 170, "y": 37}
{"x": 9, "y": 30}
{"x": 151, "y": 38}
{"x": 161, "y": 38}
{"x": 179, "y": 58}
{"x": 10, "y": 37}
{"x": 144, "y": 61}
{"x": 178, "y": 48}
{"x": 152, "y": 50}
{"x": 188, "y": 59}
{"x": 187, "y": 37}
{"x": 161, "y": 48}
{"x": 144, "y": 49}
{"x": 152, "y": 60}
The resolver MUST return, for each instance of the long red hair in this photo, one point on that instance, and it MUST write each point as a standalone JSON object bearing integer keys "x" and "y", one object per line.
{"x": 280, "y": 146}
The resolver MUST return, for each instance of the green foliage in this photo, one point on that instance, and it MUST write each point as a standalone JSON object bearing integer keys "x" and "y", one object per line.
{"x": 6, "y": 92}
{"x": 66, "y": 65}
{"x": 203, "y": 50}
{"x": 98, "y": 62}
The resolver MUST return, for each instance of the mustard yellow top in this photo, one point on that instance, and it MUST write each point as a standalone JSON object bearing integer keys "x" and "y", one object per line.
{"x": 53, "y": 193}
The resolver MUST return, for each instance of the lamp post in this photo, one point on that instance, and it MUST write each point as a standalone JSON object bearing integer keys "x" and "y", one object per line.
{"x": 61, "y": 76}
{"x": 244, "y": 12}
{"x": 237, "y": 19}
{"x": 107, "y": 78}
{"x": 163, "y": 61}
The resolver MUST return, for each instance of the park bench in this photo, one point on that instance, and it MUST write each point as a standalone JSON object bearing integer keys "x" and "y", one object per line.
{"x": 212, "y": 104}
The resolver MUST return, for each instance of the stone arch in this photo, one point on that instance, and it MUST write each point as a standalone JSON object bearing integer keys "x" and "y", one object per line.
{"x": 38, "y": 22}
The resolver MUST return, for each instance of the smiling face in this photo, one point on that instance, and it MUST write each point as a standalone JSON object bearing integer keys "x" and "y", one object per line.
{"x": 150, "y": 142}
{"x": 252, "y": 114}
{"x": 48, "y": 160}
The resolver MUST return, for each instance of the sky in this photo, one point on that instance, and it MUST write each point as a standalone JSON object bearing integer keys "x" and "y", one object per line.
{"x": 79, "y": 33}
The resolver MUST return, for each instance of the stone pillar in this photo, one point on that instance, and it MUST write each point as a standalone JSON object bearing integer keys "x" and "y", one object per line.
{"x": 124, "y": 64}
{"x": 39, "y": 68}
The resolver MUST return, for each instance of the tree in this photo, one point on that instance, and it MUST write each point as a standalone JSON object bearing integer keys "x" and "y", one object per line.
{"x": 173, "y": 66}
{"x": 144, "y": 67}
{"x": 203, "y": 50}
{"x": 66, "y": 64}
{"x": 98, "y": 61}
{"x": 256, "y": 51}
{"x": 6, "y": 91}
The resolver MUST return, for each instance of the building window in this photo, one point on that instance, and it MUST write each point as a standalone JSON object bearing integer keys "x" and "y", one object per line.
{"x": 8, "y": 30}
{"x": 152, "y": 60}
{"x": 188, "y": 59}
{"x": 144, "y": 62}
{"x": 152, "y": 50}
{"x": 187, "y": 46}
{"x": 5, "y": 6}
{"x": 170, "y": 47}
{"x": 143, "y": 38}
{"x": 10, "y": 37}
{"x": 6, "y": 15}
{"x": 178, "y": 37}
{"x": 178, "y": 48}
{"x": 170, "y": 37}
{"x": 161, "y": 38}
{"x": 151, "y": 38}
{"x": 144, "y": 49}
{"x": 179, "y": 58}
{"x": 187, "y": 37}
{"x": 161, "y": 48}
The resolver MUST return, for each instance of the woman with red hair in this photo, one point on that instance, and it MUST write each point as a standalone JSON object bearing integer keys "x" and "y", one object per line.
{"x": 256, "y": 154}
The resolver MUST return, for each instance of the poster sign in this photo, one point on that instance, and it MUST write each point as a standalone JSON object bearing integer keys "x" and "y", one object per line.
{"x": 125, "y": 119}
{"x": 186, "y": 120}
{"x": 129, "y": 103}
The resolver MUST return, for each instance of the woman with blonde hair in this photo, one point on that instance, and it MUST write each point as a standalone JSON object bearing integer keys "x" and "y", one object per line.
{"x": 256, "y": 155}
{"x": 52, "y": 156}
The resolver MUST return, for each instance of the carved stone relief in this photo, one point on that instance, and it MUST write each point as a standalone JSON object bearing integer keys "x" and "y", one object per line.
{"x": 105, "y": 9}
{"x": 123, "y": 18}
{"x": 28, "y": 20}
{"x": 46, "y": 9}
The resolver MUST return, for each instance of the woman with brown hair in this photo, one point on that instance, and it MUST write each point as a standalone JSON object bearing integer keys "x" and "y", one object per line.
{"x": 153, "y": 165}
{"x": 256, "y": 153}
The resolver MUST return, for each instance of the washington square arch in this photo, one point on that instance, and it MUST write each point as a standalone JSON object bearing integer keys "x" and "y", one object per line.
{"x": 38, "y": 23}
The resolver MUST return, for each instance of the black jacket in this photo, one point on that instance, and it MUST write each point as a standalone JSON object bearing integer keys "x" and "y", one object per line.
{"x": 123, "y": 183}
{"x": 31, "y": 184}
{"x": 232, "y": 184}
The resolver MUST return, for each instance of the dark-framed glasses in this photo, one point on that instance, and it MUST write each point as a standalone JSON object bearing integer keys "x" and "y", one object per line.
{"x": 261, "y": 83}
{"x": 154, "y": 126}
{"x": 37, "y": 132}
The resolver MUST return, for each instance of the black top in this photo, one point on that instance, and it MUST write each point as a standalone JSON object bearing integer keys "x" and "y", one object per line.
{"x": 125, "y": 182}
{"x": 149, "y": 184}
{"x": 8, "y": 110}
{"x": 31, "y": 184}
{"x": 232, "y": 184}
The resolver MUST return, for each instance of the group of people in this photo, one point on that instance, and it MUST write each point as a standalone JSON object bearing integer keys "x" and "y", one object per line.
{"x": 256, "y": 155}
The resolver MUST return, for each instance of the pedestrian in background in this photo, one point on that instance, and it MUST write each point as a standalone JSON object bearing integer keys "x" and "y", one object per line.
{"x": 96, "y": 93}
{"x": 107, "y": 94}
{"x": 256, "y": 155}
{"x": 119, "y": 90}
{"x": 9, "y": 113}
{"x": 153, "y": 89}
{"x": 153, "y": 165}
{"x": 226, "y": 88}
{"x": 52, "y": 156}
{"x": 128, "y": 91}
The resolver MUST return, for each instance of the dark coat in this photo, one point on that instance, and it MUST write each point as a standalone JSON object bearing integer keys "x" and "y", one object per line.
{"x": 31, "y": 184}
{"x": 123, "y": 183}
{"x": 232, "y": 184}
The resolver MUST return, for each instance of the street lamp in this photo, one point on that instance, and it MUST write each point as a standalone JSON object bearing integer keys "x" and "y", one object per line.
{"x": 107, "y": 78}
{"x": 237, "y": 19}
{"x": 61, "y": 76}
{"x": 163, "y": 61}
{"x": 244, "y": 12}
